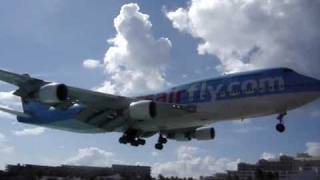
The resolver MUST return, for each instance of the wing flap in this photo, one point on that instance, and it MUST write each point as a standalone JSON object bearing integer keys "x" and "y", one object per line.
{"x": 108, "y": 120}
{"x": 98, "y": 100}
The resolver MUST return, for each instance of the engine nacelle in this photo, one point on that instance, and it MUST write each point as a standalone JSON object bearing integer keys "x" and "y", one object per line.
{"x": 179, "y": 137}
{"x": 53, "y": 93}
{"x": 199, "y": 134}
{"x": 142, "y": 110}
{"x": 204, "y": 134}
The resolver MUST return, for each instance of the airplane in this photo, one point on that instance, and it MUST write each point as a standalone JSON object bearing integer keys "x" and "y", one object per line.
{"x": 181, "y": 113}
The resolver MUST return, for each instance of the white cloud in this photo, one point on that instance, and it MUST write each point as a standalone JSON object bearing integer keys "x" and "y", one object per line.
{"x": 249, "y": 34}
{"x": 2, "y": 83}
{"x": 313, "y": 148}
{"x": 93, "y": 156}
{"x": 30, "y": 131}
{"x": 4, "y": 147}
{"x": 190, "y": 163}
{"x": 267, "y": 156}
{"x": 91, "y": 64}
{"x": 10, "y": 100}
{"x": 154, "y": 153}
{"x": 7, "y": 116}
{"x": 136, "y": 61}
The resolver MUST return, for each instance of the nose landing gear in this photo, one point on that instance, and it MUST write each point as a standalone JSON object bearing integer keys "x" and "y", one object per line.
{"x": 280, "y": 126}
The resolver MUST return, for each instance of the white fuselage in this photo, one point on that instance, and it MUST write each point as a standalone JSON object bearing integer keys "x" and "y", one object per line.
{"x": 232, "y": 109}
{"x": 231, "y": 97}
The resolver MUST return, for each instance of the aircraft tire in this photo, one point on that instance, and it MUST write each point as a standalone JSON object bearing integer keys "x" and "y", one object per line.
{"x": 163, "y": 140}
{"x": 159, "y": 146}
{"x": 280, "y": 128}
{"x": 141, "y": 142}
{"x": 123, "y": 140}
{"x": 134, "y": 143}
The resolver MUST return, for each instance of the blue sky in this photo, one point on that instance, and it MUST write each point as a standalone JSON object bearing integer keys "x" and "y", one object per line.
{"x": 52, "y": 40}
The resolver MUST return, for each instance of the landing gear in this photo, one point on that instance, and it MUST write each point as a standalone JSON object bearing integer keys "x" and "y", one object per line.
{"x": 134, "y": 143}
{"x": 123, "y": 140}
{"x": 280, "y": 126}
{"x": 131, "y": 138}
{"x": 160, "y": 143}
{"x": 162, "y": 140}
{"x": 158, "y": 146}
{"x": 141, "y": 142}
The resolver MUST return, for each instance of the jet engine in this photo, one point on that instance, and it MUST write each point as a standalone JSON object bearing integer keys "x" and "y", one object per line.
{"x": 142, "y": 110}
{"x": 199, "y": 134}
{"x": 204, "y": 134}
{"x": 179, "y": 136}
{"x": 53, "y": 93}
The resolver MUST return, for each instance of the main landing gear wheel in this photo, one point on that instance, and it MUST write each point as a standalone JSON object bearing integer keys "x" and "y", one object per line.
{"x": 280, "y": 126}
{"x": 132, "y": 138}
{"x": 123, "y": 140}
{"x": 134, "y": 143}
{"x": 141, "y": 142}
{"x": 159, "y": 146}
{"x": 161, "y": 141}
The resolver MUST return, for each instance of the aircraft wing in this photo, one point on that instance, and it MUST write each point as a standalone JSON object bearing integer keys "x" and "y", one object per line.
{"x": 28, "y": 85}
{"x": 14, "y": 112}
{"x": 17, "y": 79}
{"x": 102, "y": 110}
{"x": 98, "y": 100}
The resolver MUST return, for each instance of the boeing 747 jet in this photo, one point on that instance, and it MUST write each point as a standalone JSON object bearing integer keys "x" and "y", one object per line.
{"x": 181, "y": 113}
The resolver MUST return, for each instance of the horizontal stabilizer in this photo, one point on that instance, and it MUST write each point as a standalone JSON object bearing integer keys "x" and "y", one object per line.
{"x": 14, "y": 112}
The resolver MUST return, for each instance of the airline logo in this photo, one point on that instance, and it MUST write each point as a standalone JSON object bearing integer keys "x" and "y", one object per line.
{"x": 207, "y": 91}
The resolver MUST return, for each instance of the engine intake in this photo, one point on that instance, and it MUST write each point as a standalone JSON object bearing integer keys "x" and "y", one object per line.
{"x": 53, "y": 93}
{"x": 143, "y": 110}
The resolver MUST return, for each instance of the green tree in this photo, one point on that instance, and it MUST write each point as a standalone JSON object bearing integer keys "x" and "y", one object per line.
{"x": 161, "y": 177}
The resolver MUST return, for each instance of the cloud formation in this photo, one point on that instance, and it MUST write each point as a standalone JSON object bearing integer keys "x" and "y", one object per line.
{"x": 136, "y": 61}
{"x": 267, "y": 156}
{"x": 4, "y": 147}
{"x": 313, "y": 148}
{"x": 250, "y": 34}
{"x": 30, "y": 131}
{"x": 91, "y": 64}
{"x": 93, "y": 156}
{"x": 8, "y": 99}
{"x": 189, "y": 163}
